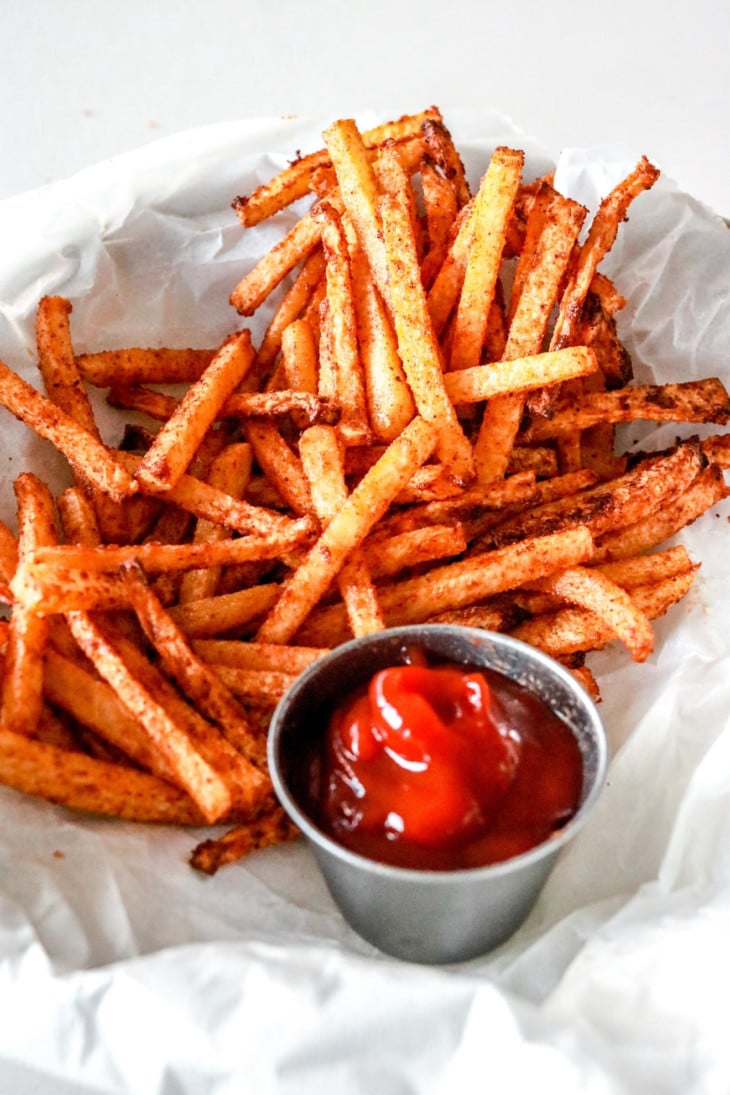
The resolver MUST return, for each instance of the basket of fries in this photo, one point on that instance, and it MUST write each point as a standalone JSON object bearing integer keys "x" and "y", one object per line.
{"x": 413, "y": 415}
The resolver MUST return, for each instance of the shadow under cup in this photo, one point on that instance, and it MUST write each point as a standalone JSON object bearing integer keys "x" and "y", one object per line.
{"x": 420, "y": 915}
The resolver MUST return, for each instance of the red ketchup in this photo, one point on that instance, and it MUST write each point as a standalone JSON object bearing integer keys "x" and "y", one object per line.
{"x": 444, "y": 767}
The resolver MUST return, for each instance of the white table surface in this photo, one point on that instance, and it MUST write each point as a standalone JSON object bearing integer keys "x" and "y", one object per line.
{"x": 86, "y": 79}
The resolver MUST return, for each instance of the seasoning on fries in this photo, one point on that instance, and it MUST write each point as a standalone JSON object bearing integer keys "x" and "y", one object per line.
{"x": 425, "y": 431}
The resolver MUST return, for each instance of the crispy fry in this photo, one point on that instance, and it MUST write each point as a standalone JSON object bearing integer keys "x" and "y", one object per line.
{"x": 417, "y": 343}
{"x": 21, "y": 698}
{"x": 273, "y": 827}
{"x": 324, "y": 468}
{"x": 95, "y": 462}
{"x": 492, "y": 208}
{"x": 169, "y": 456}
{"x": 80, "y": 782}
{"x": 143, "y": 366}
{"x": 341, "y": 342}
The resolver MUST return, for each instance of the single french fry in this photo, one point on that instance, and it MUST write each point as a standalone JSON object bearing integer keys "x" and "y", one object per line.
{"x": 80, "y": 782}
{"x": 203, "y": 500}
{"x": 441, "y": 146}
{"x": 359, "y": 190}
{"x": 226, "y": 612}
{"x": 295, "y": 180}
{"x": 389, "y": 399}
{"x": 490, "y": 215}
{"x": 82, "y": 449}
{"x": 440, "y": 207}
{"x": 273, "y": 827}
{"x": 81, "y": 578}
{"x": 253, "y": 289}
{"x": 342, "y": 338}
{"x": 347, "y": 530}
{"x": 600, "y": 239}
{"x": 324, "y": 467}
{"x": 419, "y": 350}
{"x": 299, "y": 365}
{"x": 8, "y": 553}
{"x": 263, "y": 687}
{"x": 169, "y": 456}
{"x": 281, "y": 466}
{"x": 291, "y": 660}
{"x": 471, "y": 385}
{"x": 703, "y": 400}
{"x": 137, "y": 365}
{"x": 21, "y": 692}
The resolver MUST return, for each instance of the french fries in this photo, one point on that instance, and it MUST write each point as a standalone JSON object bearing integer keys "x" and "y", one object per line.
{"x": 424, "y": 432}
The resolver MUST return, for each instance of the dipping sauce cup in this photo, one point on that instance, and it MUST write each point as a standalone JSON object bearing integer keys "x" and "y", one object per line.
{"x": 424, "y": 915}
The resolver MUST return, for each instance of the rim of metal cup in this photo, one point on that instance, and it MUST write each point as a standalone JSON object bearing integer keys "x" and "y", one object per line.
{"x": 478, "y": 638}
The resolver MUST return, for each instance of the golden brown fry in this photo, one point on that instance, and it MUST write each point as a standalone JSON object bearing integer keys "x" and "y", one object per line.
{"x": 21, "y": 695}
{"x": 273, "y": 827}
{"x": 294, "y": 181}
{"x": 417, "y": 343}
{"x": 520, "y": 374}
{"x": 82, "y": 449}
{"x": 80, "y": 782}
{"x": 323, "y": 465}
{"x": 692, "y": 401}
{"x": 601, "y": 236}
{"x": 172, "y": 451}
{"x": 490, "y": 215}
{"x": 226, "y": 612}
{"x": 143, "y": 366}
{"x": 342, "y": 341}
{"x": 359, "y": 190}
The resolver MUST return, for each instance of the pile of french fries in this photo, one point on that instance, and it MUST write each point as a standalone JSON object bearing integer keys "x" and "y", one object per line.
{"x": 426, "y": 431}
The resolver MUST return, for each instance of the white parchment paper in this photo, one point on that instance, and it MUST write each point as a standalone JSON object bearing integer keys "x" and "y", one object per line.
{"x": 123, "y": 971}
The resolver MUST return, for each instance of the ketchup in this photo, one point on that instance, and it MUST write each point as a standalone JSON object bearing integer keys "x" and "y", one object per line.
{"x": 443, "y": 767}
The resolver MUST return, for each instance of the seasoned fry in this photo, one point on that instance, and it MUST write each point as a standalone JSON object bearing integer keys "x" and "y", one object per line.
{"x": 21, "y": 698}
{"x": 84, "y": 452}
{"x": 492, "y": 208}
{"x": 169, "y": 456}
{"x": 143, "y": 366}
{"x": 417, "y": 341}
{"x": 273, "y": 827}
{"x": 80, "y": 782}
{"x": 324, "y": 468}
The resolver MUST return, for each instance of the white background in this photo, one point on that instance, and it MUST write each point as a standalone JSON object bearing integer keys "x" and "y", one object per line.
{"x": 85, "y": 79}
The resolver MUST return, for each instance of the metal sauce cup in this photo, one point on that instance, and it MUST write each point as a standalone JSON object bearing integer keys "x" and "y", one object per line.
{"x": 421, "y": 915}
